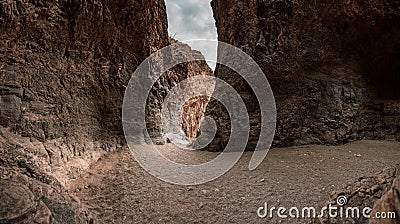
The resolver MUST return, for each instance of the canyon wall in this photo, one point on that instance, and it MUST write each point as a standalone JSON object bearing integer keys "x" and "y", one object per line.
{"x": 333, "y": 67}
{"x": 64, "y": 67}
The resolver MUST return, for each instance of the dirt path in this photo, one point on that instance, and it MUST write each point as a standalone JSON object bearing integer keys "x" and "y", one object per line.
{"x": 118, "y": 190}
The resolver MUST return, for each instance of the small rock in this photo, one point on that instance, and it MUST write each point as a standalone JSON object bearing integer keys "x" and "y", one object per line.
{"x": 375, "y": 188}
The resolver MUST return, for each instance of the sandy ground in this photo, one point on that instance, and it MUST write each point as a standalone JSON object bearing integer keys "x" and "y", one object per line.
{"x": 118, "y": 190}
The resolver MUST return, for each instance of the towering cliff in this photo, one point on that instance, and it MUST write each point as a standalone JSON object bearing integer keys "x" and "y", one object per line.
{"x": 333, "y": 67}
{"x": 64, "y": 67}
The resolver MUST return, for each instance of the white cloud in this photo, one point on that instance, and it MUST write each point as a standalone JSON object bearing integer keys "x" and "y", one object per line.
{"x": 193, "y": 19}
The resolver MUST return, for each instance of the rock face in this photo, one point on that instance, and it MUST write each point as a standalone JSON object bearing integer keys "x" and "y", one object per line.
{"x": 389, "y": 203}
{"x": 193, "y": 110}
{"x": 64, "y": 67}
{"x": 365, "y": 192}
{"x": 30, "y": 195}
{"x": 333, "y": 67}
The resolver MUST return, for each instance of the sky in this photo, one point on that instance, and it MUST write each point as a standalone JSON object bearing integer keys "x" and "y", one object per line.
{"x": 190, "y": 20}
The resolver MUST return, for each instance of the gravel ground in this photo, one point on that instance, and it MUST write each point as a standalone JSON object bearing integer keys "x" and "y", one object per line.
{"x": 117, "y": 190}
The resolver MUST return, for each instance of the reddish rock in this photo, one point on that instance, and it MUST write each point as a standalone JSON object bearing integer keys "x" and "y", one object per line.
{"x": 389, "y": 205}
{"x": 365, "y": 192}
{"x": 31, "y": 195}
{"x": 333, "y": 67}
{"x": 64, "y": 67}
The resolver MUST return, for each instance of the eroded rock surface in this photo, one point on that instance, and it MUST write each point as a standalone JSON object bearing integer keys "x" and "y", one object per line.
{"x": 64, "y": 68}
{"x": 373, "y": 192}
{"x": 30, "y": 195}
{"x": 389, "y": 204}
{"x": 333, "y": 67}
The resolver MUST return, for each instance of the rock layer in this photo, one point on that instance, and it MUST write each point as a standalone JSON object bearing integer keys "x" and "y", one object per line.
{"x": 333, "y": 67}
{"x": 389, "y": 205}
{"x": 64, "y": 67}
{"x": 366, "y": 192}
{"x": 30, "y": 195}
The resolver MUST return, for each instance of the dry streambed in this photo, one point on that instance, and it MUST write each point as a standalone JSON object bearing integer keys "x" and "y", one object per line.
{"x": 118, "y": 190}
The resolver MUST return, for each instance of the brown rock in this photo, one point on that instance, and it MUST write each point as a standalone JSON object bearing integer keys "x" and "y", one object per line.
{"x": 355, "y": 196}
{"x": 389, "y": 204}
{"x": 16, "y": 201}
{"x": 64, "y": 67}
{"x": 29, "y": 195}
{"x": 322, "y": 63}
